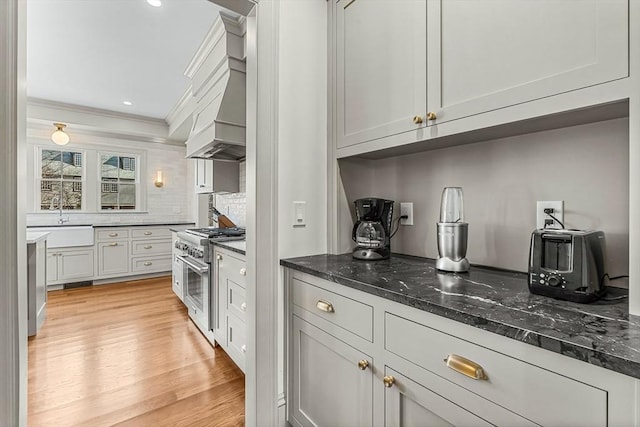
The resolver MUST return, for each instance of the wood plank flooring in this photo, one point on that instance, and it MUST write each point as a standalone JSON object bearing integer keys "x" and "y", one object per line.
{"x": 127, "y": 354}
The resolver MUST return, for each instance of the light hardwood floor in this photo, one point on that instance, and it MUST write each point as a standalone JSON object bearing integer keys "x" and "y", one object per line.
{"x": 127, "y": 354}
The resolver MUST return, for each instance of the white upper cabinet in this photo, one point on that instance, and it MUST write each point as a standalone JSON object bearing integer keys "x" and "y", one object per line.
{"x": 490, "y": 54}
{"x": 381, "y": 68}
{"x": 446, "y": 60}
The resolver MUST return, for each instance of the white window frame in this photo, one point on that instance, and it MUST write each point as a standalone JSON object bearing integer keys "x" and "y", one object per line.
{"x": 39, "y": 179}
{"x": 139, "y": 163}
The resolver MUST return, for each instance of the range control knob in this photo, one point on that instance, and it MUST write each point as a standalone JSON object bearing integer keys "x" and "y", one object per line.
{"x": 553, "y": 281}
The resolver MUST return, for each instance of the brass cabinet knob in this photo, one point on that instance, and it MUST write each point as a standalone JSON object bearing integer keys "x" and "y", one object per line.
{"x": 363, "y": 364}
{"x": 388, "y": 381}
{"x": 243, "y": 271}
{"x": 148, "y": 263}
{"x": 243, "y": 306}
{"x": 431, "y": 116}
{"x": 244, "y": 348}
{"x": 113, "y": 244}
{"x": 148, "y": 247}
{"x": 113, "y": 234}
{"x": 327, "y": 307}
{"x": 148, "y": 233}
{"x": 218, "y": 257}
{"x": 465, "y": 367}
{"x": 417, "y": 119}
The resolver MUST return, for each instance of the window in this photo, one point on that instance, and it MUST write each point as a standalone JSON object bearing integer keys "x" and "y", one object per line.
{"x": 61, "y": 179}
{"x": 118, "y": 182}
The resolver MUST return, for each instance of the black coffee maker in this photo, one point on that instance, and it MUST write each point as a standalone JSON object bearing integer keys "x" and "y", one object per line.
{"x": 372, "y": 230}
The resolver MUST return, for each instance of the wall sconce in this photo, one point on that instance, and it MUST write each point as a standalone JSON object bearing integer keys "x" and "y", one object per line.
{"x": 59, "y": 136}
{"x": 159, "y": 182}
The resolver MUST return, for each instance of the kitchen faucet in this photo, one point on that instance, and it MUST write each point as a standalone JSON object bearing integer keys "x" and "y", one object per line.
{"x": 57, "y": 199}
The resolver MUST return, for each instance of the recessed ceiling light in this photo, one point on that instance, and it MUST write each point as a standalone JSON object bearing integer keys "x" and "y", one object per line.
{"x": 155, "y": 3}
{"x": 127, "y": 103}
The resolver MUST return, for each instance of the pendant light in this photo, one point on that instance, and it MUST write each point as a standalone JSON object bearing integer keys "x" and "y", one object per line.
{"x": 59, "y": 136}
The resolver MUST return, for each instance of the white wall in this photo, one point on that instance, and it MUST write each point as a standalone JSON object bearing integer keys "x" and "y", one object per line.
{"x": 586, "y": 166}
{"x": 172, "y": 202}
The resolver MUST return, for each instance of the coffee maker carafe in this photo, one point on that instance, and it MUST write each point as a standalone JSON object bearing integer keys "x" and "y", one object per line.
{"x": 372, "y": 230}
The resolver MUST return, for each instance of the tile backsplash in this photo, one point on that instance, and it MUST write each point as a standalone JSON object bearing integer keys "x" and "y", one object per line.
{"x": 233, "y": 205}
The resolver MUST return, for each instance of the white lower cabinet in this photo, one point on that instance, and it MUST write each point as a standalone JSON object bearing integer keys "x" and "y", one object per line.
{"x": 340, "y": 374}
{"x": 69, "y": 265}
{"x": 228, "y": 299}
{"x": 113, "y": 257}
{"x": 329, "y": 388}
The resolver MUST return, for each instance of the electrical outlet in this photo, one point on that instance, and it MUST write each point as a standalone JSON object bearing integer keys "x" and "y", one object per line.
{"x": 406, "y": 208}
{"x": 558, "y": 212}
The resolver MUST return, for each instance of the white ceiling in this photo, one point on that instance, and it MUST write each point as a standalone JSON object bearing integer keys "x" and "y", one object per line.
{"x": 99, "y": 53}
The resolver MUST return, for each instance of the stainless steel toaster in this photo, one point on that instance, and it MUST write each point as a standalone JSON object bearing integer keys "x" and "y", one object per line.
{"x": 568, "y": 264}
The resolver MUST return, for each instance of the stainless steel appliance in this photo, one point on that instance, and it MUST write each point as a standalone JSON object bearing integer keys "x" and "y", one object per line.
{"x": 372, "y": 229}
{"x": 452, "y": 232}
{"x": 568, "y": 264}
{"x": 196, "y": 272}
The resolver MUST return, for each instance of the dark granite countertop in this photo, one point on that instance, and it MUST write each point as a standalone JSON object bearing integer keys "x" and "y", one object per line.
{"x": 601, "y": 333}
{"x": 237, "y": 246}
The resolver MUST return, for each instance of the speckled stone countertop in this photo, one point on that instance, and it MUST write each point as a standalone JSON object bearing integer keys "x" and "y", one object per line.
{"x": 601, "y": 333}
{"x": 237, "y": 246}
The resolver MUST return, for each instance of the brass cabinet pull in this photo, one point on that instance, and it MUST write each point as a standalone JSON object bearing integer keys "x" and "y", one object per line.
{"x": 148, "y": 263}
{"x": 325, "y": 306}
{"x": 218, "y": 257}
{"x": 148, "y": 247}
{"x": 148, "y": 233}
{"x": 389, "y": 381}
{"x": 113, "y": 234}
{"x": 113, "y": 244}
{"x": 243, "y": 271}
{"x": 243, "y": 306}
{"x": 465, "y": 367}
{"x": 363, "y": 364}
{"x": 431, "y": 116}
{"x": 417, "y": 120}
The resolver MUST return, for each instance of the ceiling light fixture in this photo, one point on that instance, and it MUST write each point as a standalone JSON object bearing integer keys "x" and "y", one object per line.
{"x": 155, "y": 3}
{"x": 59, "y": 136}
{"x": 127, "y": 103}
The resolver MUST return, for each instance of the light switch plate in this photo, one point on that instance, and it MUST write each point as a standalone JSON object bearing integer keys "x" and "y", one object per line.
{"x": 299, "y": 214}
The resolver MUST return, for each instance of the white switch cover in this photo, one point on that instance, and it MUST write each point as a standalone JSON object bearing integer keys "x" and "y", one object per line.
{"x": 299, "y": 214}
{"x": 406, "y": 208}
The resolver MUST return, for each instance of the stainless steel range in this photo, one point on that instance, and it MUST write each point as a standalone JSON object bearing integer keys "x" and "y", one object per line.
{"x": 196, "y": 272}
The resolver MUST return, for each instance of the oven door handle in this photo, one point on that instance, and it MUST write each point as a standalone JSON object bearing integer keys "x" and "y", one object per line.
{"x": 194, "y": 266}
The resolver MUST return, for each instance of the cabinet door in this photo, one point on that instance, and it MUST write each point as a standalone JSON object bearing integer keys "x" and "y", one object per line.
{"x": 204, "y": 181}
{"x": 381, "y": 68}
{"x": 113, "y": 258}
{"x": 489, "y": 54}
{"x": 52, "y": 267}
{"x": 408, "y": 403}
{"x": 76, "y": 265}
{"x": 236, "y": 340}
{"x": 328, "y": 387}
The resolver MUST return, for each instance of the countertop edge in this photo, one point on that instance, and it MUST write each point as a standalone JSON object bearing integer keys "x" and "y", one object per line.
{"x": 553, "y": 344}
{"x": 230, "y": 248}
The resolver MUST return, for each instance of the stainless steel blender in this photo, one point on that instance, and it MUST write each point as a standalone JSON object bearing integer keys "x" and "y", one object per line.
{"x": 452, "y": 232}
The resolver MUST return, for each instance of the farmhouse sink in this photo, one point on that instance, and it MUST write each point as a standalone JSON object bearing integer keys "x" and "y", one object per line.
{"x": 64, "y": 237}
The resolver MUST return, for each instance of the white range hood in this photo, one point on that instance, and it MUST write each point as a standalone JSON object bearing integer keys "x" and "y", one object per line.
{"x": 218, "y": 84}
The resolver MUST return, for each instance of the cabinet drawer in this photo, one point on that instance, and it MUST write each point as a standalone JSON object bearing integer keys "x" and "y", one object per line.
{"x": 151, "y": 247}
{"x": 151, "y": 264}
{"x": 112, "y": 234}
{"x": 237, "y": 344}
{"x": 532, "y": 392}
{"x": 349, "y": 314}
{"x": 236, "y": 300}
{"x": 232, "y": 267}
{"x": 150, "y": 233}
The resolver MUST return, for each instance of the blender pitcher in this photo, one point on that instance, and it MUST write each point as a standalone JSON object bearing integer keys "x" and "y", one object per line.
{"x": 452, "y": 232}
